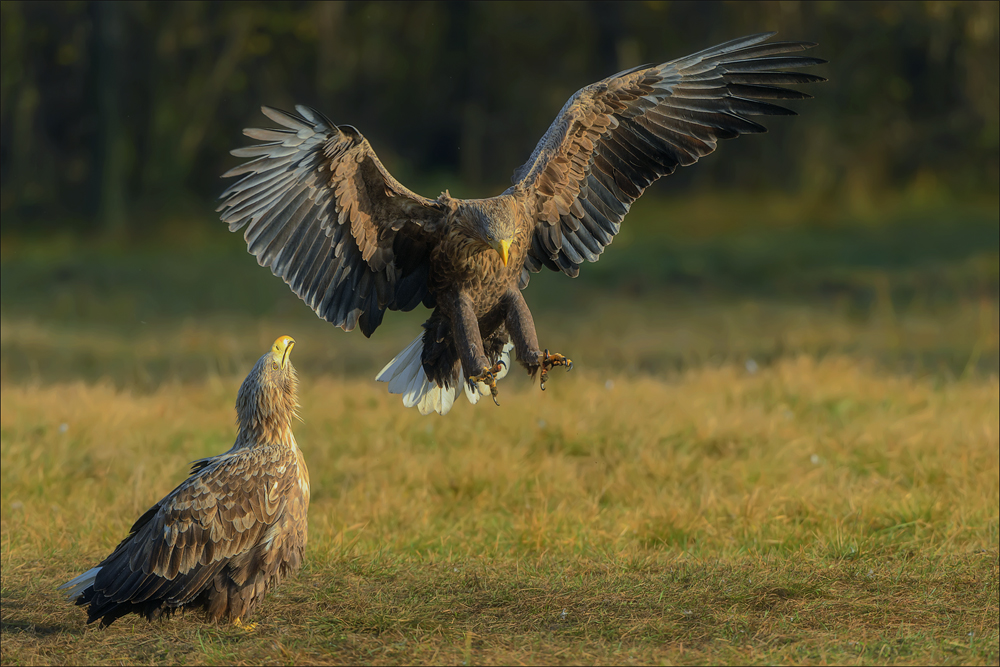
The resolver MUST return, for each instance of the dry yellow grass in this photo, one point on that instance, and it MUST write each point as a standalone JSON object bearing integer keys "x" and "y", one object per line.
{"x": 814, "y": 511}
{"x": 661, "y": 503}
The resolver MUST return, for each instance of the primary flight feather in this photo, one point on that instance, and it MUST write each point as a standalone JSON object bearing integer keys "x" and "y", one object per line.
{"x": 230, "y": 532}
{"x": 322, "y": 212}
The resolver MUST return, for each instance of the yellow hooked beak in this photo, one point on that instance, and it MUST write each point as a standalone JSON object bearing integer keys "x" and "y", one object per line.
{"x": 503, "y": 249}
{"x": 281, "y": 349}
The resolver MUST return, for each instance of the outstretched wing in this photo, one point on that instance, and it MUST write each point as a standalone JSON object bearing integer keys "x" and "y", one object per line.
{"x": 180, "y": 544}
{"x": 615, "y": 137}
{"x": 323, "y": 213}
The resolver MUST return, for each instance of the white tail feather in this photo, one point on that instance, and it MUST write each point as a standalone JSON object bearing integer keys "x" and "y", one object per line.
{"x": 78, "y": 585}
{"x": 395, "y": 372}
{"x": 405, "y": 375}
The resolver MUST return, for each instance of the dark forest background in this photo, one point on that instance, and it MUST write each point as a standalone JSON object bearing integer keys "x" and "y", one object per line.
{"x": 118, "y": 117}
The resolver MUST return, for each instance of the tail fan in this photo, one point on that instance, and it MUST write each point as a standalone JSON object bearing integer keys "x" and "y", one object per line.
{"x": 81, "y": 583}
{"x": 405, "y": 375}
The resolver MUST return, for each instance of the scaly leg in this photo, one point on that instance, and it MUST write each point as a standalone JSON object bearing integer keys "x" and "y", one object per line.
{"x": 469, "y": 342}
{"x": 521, "y": 327}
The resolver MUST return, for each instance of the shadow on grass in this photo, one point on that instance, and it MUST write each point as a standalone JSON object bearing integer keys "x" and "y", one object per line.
{"x": 34, "y": 629}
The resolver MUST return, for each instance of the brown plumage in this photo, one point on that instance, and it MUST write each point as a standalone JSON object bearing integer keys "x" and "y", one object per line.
{"x": 230, "y": 531}
{"x": 323, "y": 213}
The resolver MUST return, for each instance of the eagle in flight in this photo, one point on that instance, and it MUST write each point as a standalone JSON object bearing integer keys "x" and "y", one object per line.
{"x": 229, "y": 532}
{"x": 320, "y": 209}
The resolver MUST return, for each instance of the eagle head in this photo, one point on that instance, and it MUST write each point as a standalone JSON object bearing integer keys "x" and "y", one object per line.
{"x": 490, "y": 223}
{"x": 267, "y": 399}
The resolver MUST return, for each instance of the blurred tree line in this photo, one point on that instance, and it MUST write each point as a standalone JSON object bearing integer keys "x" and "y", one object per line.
{"x": 116, "y": 115}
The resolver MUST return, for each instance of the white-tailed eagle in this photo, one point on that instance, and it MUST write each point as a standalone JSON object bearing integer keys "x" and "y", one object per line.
{"x": 229, "y": 532}
{"x": 322, "y": 212}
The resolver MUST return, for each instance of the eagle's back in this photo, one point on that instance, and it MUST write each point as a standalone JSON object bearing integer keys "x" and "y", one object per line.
{"x": 219, "y": 541}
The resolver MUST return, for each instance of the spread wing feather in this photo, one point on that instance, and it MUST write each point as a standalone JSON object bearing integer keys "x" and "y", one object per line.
{"x": 615, "y": 137}
{"x": 176, "y": 548}
{"x": 323, "y": 213}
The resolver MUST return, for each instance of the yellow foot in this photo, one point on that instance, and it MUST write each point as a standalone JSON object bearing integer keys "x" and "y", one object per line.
{"x": 246, "y": 627}
{"x": 550, "y": 361}
{"x": 488, "y": 376}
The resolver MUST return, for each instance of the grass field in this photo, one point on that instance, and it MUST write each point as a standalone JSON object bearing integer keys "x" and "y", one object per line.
{"x": 789, "y": 458}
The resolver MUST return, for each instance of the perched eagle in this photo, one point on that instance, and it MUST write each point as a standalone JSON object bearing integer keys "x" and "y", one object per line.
{"x": 230, "y": 531}
{"x": 323, "y": 213}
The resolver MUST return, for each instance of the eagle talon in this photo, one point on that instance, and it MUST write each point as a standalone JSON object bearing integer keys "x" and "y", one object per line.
{"x": 488, "y": 376}
{"x": 245, "y": 627}
{"x": 550, "y": 361}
